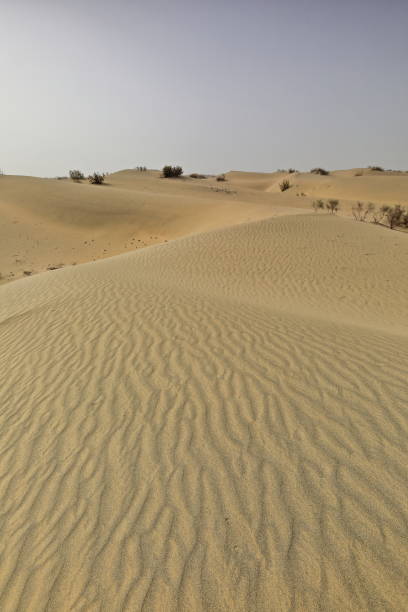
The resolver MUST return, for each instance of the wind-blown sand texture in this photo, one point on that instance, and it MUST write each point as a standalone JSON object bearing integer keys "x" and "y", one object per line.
{"x": 218, "y": 423}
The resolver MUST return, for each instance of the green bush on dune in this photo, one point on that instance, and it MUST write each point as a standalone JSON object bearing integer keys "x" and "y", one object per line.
{"x": 96, "y": 178}
{"x": 172, "y": 171}
{"x": 76, "y": 175}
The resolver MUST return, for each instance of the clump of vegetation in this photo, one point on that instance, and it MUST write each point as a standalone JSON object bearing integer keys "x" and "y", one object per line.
{"x": 292, "y": 170}
{"x": 76, "y": 175}
{"x": 318, "y": 205}
{"x": 96, "y": 178}
{"x": 332, "y": 206}
{"x": 395, "y": 216}
{"x": 172, "y": 171}
{"x": 221, "y": 178}
{"x": 321, "y": 171}
{"x": 195, "y": 175}
{"x": 376, "y": 168}
{"x": 141, "y": 168}
{"x": 362, "y": 211}
{"x": 284, "y": 185}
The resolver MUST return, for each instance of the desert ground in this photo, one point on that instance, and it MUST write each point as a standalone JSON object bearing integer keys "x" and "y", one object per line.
{"x": 203, "y": 395}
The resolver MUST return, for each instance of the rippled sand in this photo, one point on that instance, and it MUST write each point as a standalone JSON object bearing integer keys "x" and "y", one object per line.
{"x": 218, "y": 423}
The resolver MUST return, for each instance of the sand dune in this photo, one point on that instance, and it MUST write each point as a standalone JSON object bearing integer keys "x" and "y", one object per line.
{"x": 54, "y": 223}
{"x": 217, "y": 423}
{"x": 346, "y": 185}
{"x": 49, "y": 223}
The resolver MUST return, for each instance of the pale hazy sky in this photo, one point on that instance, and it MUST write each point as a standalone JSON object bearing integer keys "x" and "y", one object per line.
{"x": 211, "y": 85}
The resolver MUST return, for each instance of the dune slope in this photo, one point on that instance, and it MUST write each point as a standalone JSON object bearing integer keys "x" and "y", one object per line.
{"x": 50, "y": 223}
{"x": 219, "y": 423}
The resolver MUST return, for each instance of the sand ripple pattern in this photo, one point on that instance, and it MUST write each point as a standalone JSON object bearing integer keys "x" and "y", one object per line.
{"x": 190, "y": 428}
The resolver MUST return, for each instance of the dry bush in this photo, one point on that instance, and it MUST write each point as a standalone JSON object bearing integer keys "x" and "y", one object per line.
{"x": 96, "y": 178}
{"x": 396, "y": 216}
{"x": 221, "y": 178}
{"x": 362, "y": 211}
{"x": 332, "y": 206}
{"x": 172, "y": 171}
{"x": 195, "y": 175}
{"x": 318, "y": 205}
{"x": 284, "y": 185}
{"x": 376, "y": 168}
{"x": 321, "y": 171}
{"x": 76, "y": 175}
{"x": 291, "y": 170}
{"x": 377, "y": 215}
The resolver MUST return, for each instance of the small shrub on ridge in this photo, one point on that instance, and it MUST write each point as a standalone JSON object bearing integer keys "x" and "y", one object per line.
{"x": 172, "y": 171}
{"x": 284, "y": 185}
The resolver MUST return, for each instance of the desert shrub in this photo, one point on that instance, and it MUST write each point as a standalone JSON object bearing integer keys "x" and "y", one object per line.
{"x": 76, "y": 175}
{"x": 284, "y": 185}
{"x": 361, "y": 211}
{"x": 291, "y": 170}
{"x": 377, "y": 214}
{"x": 318, "y": 205}
{"x": 141, "y": 168}
{"x": 332, "y": 206}
{"x": 321, "y": 171}
{"x": 376, "y": 168}
{"x": 394, "y": 215}
{"x": 195, "y": 175}
{"x": 172, "y": 171}
{"x": 221, "y": 178}
{"x": 96, "y": 178}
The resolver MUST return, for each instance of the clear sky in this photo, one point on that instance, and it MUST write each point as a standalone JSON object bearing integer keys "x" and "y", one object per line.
{"x": 212, "y": 85}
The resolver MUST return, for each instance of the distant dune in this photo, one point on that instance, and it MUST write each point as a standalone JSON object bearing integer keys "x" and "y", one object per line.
{"x": 217, "y": 423}
{"x": 53, "y": 223}
{"x": 50, "y": 223}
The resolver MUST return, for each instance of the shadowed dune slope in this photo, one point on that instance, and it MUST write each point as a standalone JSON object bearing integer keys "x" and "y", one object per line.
{"x": 219, "y": 423}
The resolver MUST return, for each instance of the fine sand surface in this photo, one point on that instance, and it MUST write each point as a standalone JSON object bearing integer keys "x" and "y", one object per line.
{"x": 218, "y": 423}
